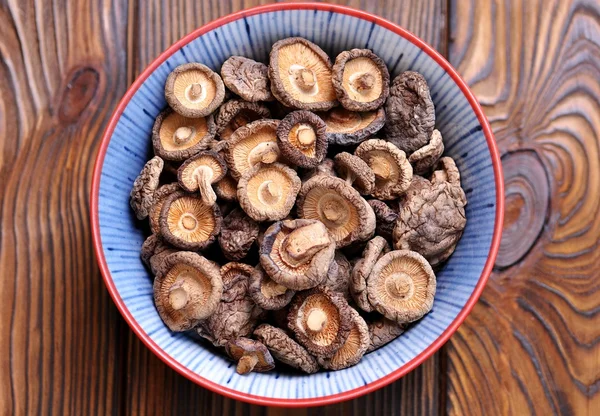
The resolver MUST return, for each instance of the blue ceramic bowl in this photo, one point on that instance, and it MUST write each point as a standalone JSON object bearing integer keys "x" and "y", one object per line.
{"x": 126, "y": 146}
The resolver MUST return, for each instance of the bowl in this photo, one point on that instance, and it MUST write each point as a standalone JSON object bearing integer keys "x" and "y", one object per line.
{"x": 126, "y": 146}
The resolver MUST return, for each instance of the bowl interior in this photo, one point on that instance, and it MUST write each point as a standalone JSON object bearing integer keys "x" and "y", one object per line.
{"x": 252, "y": 36}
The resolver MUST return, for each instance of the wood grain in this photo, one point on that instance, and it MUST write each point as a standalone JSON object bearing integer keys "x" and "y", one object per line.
{"x": 532, "y": 344}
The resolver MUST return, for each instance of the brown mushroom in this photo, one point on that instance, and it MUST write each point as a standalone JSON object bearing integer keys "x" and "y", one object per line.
{"x": 194, "y": 90}
{"x": 423, "y": 159}
{"x": 321, "y": 321}
{"x": 402, "y": 286}
{"x": 159, "y": 198}
{"x": 199, "y": 172}
{"x": 446, "y": 171}
{"x": 187, "y": 290}
{"x": 297, "y": 253}
{"x": 268, "y": 192}
{"x": 153, "y": 252}
{"x": 250, "y": 355}
{"x": 383, "y": 331}
{"x": 251, "y": 144}
{"x": 338, "y": 276}
{"x": 300, "y": 74}
{"x": 144, "y": 187}
{"x": 374, "y": 250}
{"x": 326, "y": 167}
{"x": 177, "y": 138}
{"x": 392, "y": 171}
{"x": 188, "y": 223}
{"x": 353, "y": 349}
{"x": 238, "y": 233}
{"x": 355, "y": 171}
{"x": 226, "y": 188}
{"x": 237, "y": 113}
{"x": 247, "y": 78}
{"x": 337, "y": 205}
{"x": 347, "y": 128}
{"x": 302, "y": 139}
{"x": 267, "y": 293}
{"x": 361, "y": 80}
{"x": 410, "y": 112}
{"x": 386, "y": 218}
{"x": 285, "y": 349}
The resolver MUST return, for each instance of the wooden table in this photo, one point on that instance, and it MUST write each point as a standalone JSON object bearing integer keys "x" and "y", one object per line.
{"x": 530, "y": 346}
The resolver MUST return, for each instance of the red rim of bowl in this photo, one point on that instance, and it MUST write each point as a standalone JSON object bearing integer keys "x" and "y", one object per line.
{"x": 338, "y": 397}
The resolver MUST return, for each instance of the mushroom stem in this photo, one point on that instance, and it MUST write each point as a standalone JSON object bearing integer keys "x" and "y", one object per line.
{"x": 246, "y": 364}
{"x": 269, "y": 192}
{"x": 194, "y": 92}
{"x": 178, "y": 297}
{"x": 305, "y": 79}
{"x": 306, "y": 136}
{"x": 381, "y": 168}
{"x": 183, "y": 135}
{"x": 203, "y": 176}
{"x": 278, "y": 290}
{"x": 303, "y": 243}
{"x": 316, "y": 320}
{"x": 363, "y": 82}
{"x": 332, "y": 213}
{"x": 350, "y": 177}
{"x": 265, "y": 152}
{"x": 399, "y": 285}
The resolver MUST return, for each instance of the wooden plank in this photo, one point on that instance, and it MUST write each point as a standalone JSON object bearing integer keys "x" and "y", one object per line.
{"x": 60, "y": 79}
{"x": 155, "y": 389}
{"x": 532, "y": 345}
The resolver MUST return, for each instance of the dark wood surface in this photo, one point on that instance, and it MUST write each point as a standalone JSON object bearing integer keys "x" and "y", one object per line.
{"x": 531, "y": 345}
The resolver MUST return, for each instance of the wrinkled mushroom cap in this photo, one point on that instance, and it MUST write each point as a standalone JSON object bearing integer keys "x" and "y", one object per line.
{"x": 194, "y": 90}
{"x": 375, "y": 248}
{"x": 386, "y": 218}
{"x": 402, "y": 286}
{"x": 251, "y": 144}
{"x": 383, "y": 331}
{"x": 285, "y": 349}
{"x": 353, "y": 349}
{"x": 247, "y": 78}
{"x": 250, "y": 355}
{"x": 297, "y": 253}
{"x": 267, "y": 293}
{"x": 347, "y": 128}
{"x": 144, "y": 187}
{"x": 226, "y": 188}
{"x": 337, "y": 205}
{"x": 153, "y": 252}
{"x": 326, "y": 167}
{"x": 187, "y": 289}
{"x": 237, "y": 113}
{"x": 338, "y": 276}
{"x": 268, "y": 192}
{"x": 446, "y": 171}
{"x": 361, "y": 80}
{"x": 199, "y": 173}
{"x": 392, "y": 171}
{"x": 159, "y": 198}
{"x": 302, "y": 139}
{"x": 300, "y": 74}
{"x": 177, "y": 138}
{"x": 355, "y": 171}
{"x": 238, "y": 233}
{"x": 423, "y": 159}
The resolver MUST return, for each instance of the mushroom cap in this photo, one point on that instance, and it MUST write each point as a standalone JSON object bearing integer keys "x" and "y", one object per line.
{"x": 285, "y": 349}
{"x": 153, "y": 252}
{"x": 194, "y": 90}
{"x": 321, "y": 320}
{"x": 226, "y": 188}
{"x": 386, "y": 218}
{"x": 446, "y": 171}
{"x": 392, "y": 171}
{"x": 423, "y": 159}
{"x": 297, "y": 253}
{"x": 300, "y": 74}
{"x": 251, "y": 144}
{"x": 324, "y": 168}
{"x": 302, "y": 138}
{"x": 361, "y": 80}
{"x": 188, "y": 223}
{"x": 353, "y": 349}
{"x": 238, "y": 233}
{"x": 267, "y": 192}
{"x": 267, "y": 293}
{"x": 337, "y": 205}
{"x": 383, "y": 331}
{"x": 355, "y": 171}
{"x": 208, "y": 163}
{"x": 242, "y": 347}
{"x": 410, "y": 112}
{"x": 144, "y": 186}
{"x": 234, "y": 114}
{"x": 375, "y": 248}
{"x": 402, "y": 286}
{"x": 177, "y": 138}
{"x": 247, "y": 78}
{"x": 347, "y": 128}
{"x": 159, "y": 198}
{"x": 187, "y": 289}
{"x": 338, "y": 276}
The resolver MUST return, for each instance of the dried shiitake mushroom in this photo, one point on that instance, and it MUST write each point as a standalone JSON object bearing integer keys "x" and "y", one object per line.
{"x": 251, "y": 144}
{"x": 383, "y": 331}
{"x": 401, "y": 286}
{"x": 194, "y": 90}
{"x": 199, "y": 172}
{"x": 285, "y": 349}
{"x": 325, "y": 168}
{"x": 355, "y": 171}
{"x": 337, "y": 205}
{"x": 159, "y": 198}
{"x": 153, "y": 252}
{"x": 410, "y": 112}
{"x": 238, "y": 233}
{"x": 187, "y": 290}
{"x": 247, "y": 78}
{"x": 300, "y": 74}
{"x": 177, "y": 138}
{"x": 392, "y": 171}
{"x": 321, "y": 321}
{"x": 302, "y": 139}
{"x": 446, "y": 171}
{"x": 268, "y": 192}
{"x": 188, "y": 223}
{"x": 361, "y": 80}
{"x": 386, "y": 218}
{"x": 267, "y": 293}
{"x": 347, "y": 128}
{"x": 226, "y": 188}
{"x": 374, "y": 250}
{"x": 297, "y": 253}
{"x": 250, "y": 355}
{"x": 338, "y": 276}
{"x": 423, "y": 159}
{"x": 144, "y": 187}
{"x": 237, "y": 113}
{"x": 353, "y": 349}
